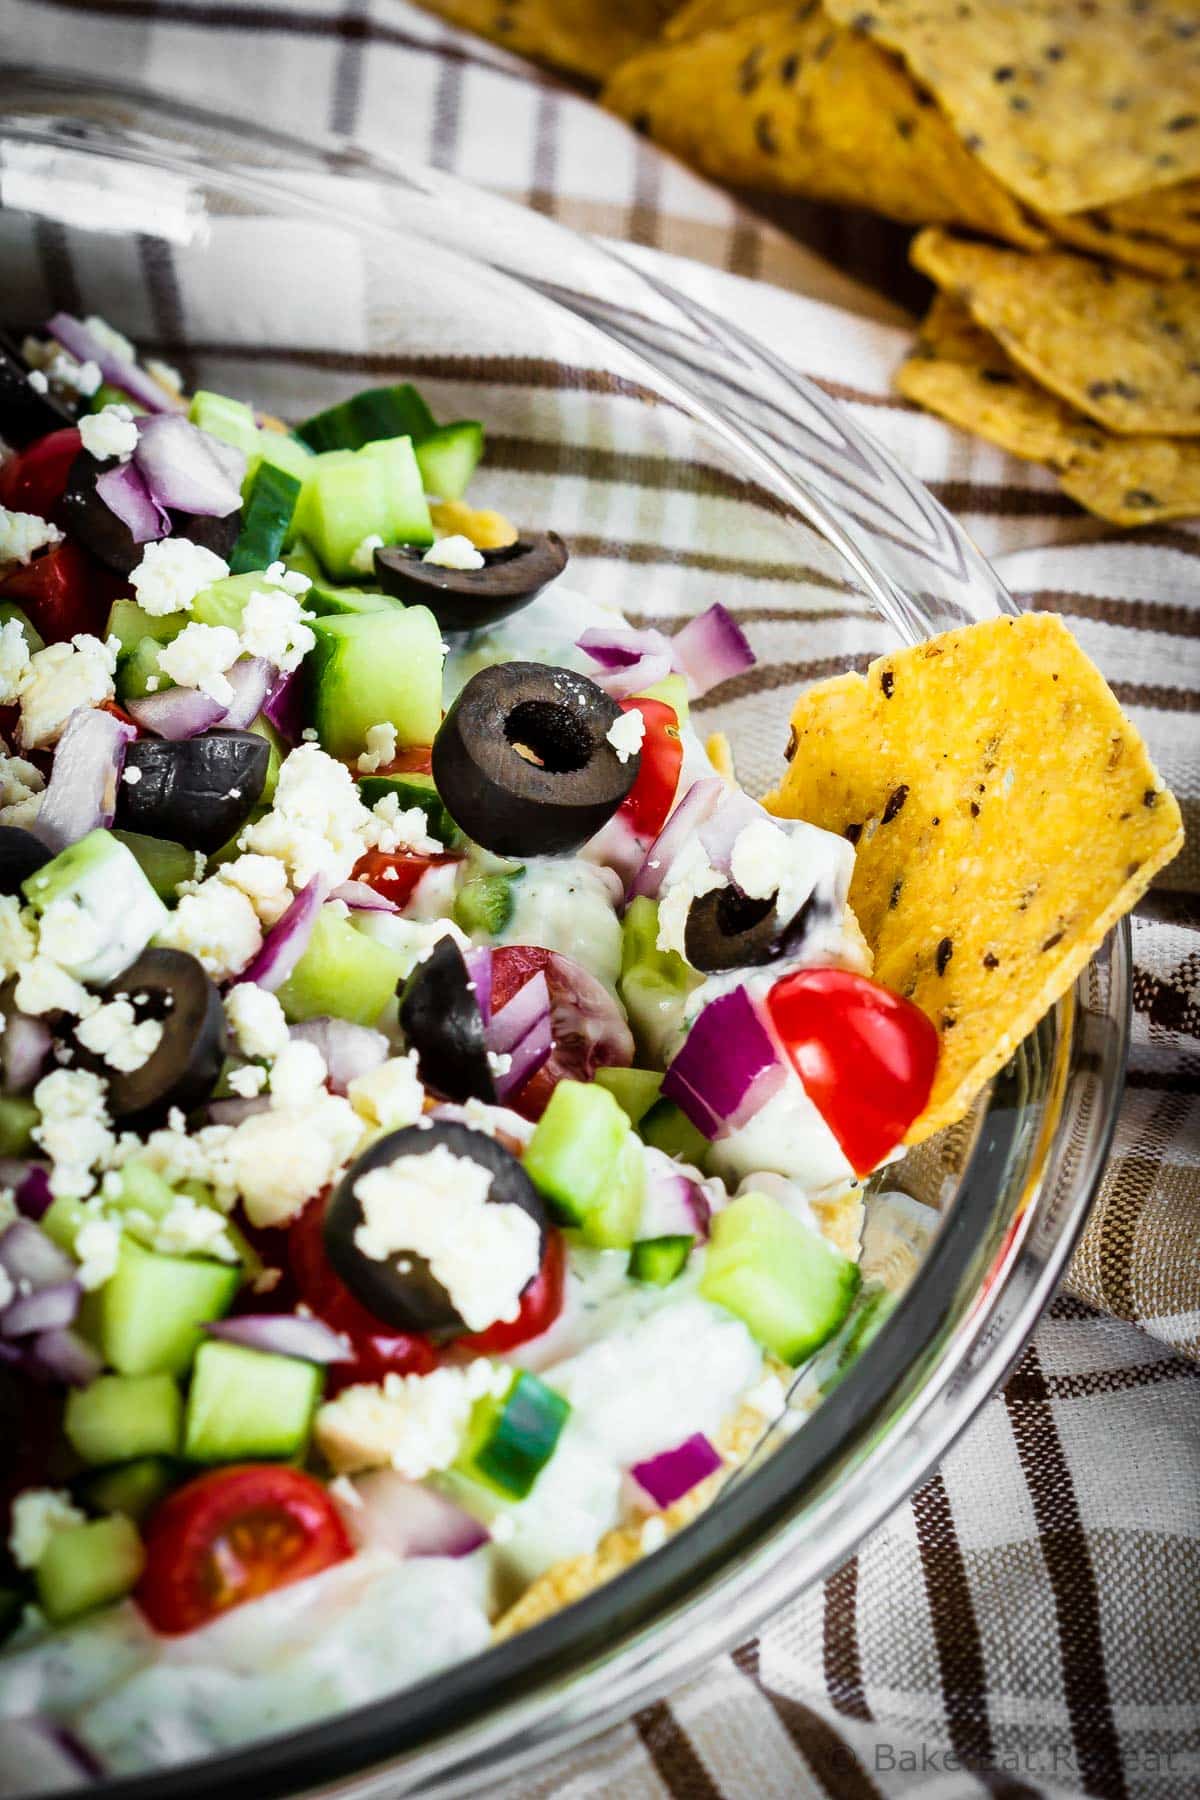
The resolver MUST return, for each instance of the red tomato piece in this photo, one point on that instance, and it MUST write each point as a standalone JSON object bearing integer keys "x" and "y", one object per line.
{"x": 416, "y": 760}
{"x": 231, "y": 1536}
{"x": 541, "y": 1304}
{"x": 395, "y": 874}
{"x": 378, "y": 1350}
{"x": 33, "y": 480}
{"x": 62, "y": 591}
{"x": 589, "y": 1028}
{"x": 866, "y": 1056}
{"x": 646, "y": 805}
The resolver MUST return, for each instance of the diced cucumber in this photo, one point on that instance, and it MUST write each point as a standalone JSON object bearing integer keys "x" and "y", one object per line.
{"x": 414, "y": 790}
{"x": 224, "y": 602}
{"x": 408, "y": 511}
{"x": 350, "y": 495}
{"x": 673, "y": 691}
{"x": 449, "y": 456}
{"x": 634, "y": 1090}
{"x": 245, "y": 1404}
{"x": 659, "y": 1260}
{"x": 381, "y": 412}
{"x": 153, "y": 1308}
{"x": 140, "y": 673}
{"x": 786, "y": 1283}
{"x": 163, "y": 864}
{"x": 118, "y": 1417}
{"x": 873, "y": 1307}
{"x": 374, "y": 669}
{"x": 141, "y": 1197}
{"x": 279, "y": 450}
{"x": 267, "y": 513}
{"x": 654, "y": 983}
{"x": 585, "y": 1160}
{"x": 132, "y": 1488}
{"x": 62, "y": 1220}
{"x": 108, "y": 395}
{"x": 18, "y": 1116}
{"x": 263, "y": 728}
{"x": 326, "y": 600}
{"x": 85, "y": 1566}
{"x": 131, "y": 625}
{"x": 510, "y": 1440}
{"x": 33, "y": 638}
{"x": 485, "y": 904}
{"x": 666, "y": 1127}
{"x": 303, "y": 559}
{"x": 117, "y": 911}
{"x": 341, "y": 973}
{"x": 230, "y": 420}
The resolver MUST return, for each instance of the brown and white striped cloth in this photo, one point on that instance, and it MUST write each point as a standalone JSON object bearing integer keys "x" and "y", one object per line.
{"x": 1029, "y": 1623}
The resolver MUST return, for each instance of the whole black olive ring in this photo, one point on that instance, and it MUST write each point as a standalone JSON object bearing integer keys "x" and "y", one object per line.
{"x": 400, "y": 1289}
{"x": 469, "y": 599}
{"x": 182, "y": 1071}
{"x": 523, "y": 762}
{"x": 727, "y": 930}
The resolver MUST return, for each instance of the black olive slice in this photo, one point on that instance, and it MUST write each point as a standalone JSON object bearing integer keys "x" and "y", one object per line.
{"x": 727, "y": 930}
{"x": 169, "y": 985}
{"x": 21, "y": 855}
{"x": 217, "y": 535}
{"x": 25, "y": 414}
{"x": 86, "y": 516}
{"x": 468, "y": 599}
{"x": 523, "y": 762}
{"x": 197, "y": 792}
{"x": 441, "y": 1019}
{"x": 400, "y": 1290}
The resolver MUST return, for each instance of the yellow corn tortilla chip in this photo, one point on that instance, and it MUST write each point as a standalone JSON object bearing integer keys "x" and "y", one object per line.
{"x": 959, "y": 371}
{"x": 1070, "y": 106}
{"x": 786, "y": 100}
{"x": 1125, "y": 349}
{"x": 1097, "y": 234}
{"x": 486, "y": 530}
{"x": 1006, "y": 815}
{"x": 588, "y": 37}
{"x": 1169, "y": 213}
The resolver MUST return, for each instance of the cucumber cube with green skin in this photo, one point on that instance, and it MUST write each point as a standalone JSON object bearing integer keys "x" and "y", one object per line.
{"x": 783, "y": 1280}
{"x": 586, "y": 1162}
{"x": 131, "y": 625}
{"x": 248, "y": 1404}
{"x": 415, "y": 790}
{"x": 114, "y": 911}
{"x": 343, "y": 973}
{"x": 63, "y": 1219}
{"x": 154, "y": 1307}
{"x": 18, "y": 1116}
{"x": 280, "y": 450}
{"x": 325, "y": 600}
{"x": 666, "y": 1127}
{"x": 222, "y": 417}
{"x": 118, "y": 1417}
{"x": 163, "y": 863}
{"x": 349, "y": 495}
{"x": 484, "y": 905}
{"x": 510, "y": 1440}
{"x": 373, "y": 669}
{"x": 223, "y": 602}
{"x": 85, "y": 1566}
{"x": 634, "y": 1090}
{"x": 302, "y": 559}
{"x": 133, "y": 1488}
{"x": 659, "y": 1260}
{"x": 449, "y": 456}
{"x": 139, "y": 674}
{"x": 34, "y": 641}
{"x": 263, "y": 728}
{"x": 382, "y": 412}
{"x": 873, "y": 1307}
{"x": 267, "y": 513}
{"x": 653, "y": 983}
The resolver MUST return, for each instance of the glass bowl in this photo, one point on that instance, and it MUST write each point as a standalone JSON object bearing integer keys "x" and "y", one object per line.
{"x": 684, "y": 462}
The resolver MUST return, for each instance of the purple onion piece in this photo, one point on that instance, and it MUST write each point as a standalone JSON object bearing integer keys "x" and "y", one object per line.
{"x": 408, "y": 1519}
{"x": 177, "y": 713}
{"x": 250, "y": 680}
{"x": 30, "y": 1182}
{"x": 284, "y": 1334}
{"x": 710, "y": 649}
{"x": 479, "y": 973}
{"x": 529, "y": 1004}
{"x": 181, "y": 469}
{"x": 287, "y": 940}
{"x": 645, "y": 673}
{"x": 618, "y": 850}
{"x": 727, "y": 1068}
{"x": 618, "y": 648}
{"x": 24, "y": 1051}
{"x": 82, "y": 791}
{"x": 697, "y": 805}
{"x": 124, "y": 492}
{"x": 719, "y": 833}
{"x": 527, "y": 1055}
{"x": 45, "y": 1309}
{"x": 360, "y": 896}
{"x": 348, "y": 1050}
{"x": 28, "y": 1255}
{"x": 669, "y": 1209}
{"x": 44, "y": 1756}
{"x": 235, "y": 1110}
{"x": 284, "y": 706}
{"x": 74, "y": 336}
{"x": 669, "y": 1477}
{"x": 64, "y": 1356}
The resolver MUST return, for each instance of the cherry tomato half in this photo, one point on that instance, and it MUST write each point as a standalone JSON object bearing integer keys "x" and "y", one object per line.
{"x": 62, "y": 591}
{"x": 541, "y": 1304}
{"x": 33, "y": 480}
{"x": 646, "y": 805}
{"x": 394, "y": 874}
{"x": 378, "y": 1351}
{"x": 866, "y": 1056}
{"x": 231, "y": 1536}
{"x": 589, "y": 1028}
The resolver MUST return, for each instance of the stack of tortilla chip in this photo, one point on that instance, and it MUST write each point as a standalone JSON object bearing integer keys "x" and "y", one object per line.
{"x": 1065, "y": 132}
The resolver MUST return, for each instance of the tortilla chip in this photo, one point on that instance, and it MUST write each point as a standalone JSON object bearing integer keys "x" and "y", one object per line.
{"x": 1070, "y": 107}
{"x": 1172, "y": 214}
{"x": 588, "y": 37}
{"x": 720, "y": 754}
{"x": 959, "y": 371}
{"x": 486, "y": 530}
{"x": 786, "y": 100}
{"x": 1006, "y": 815}
{"x": 1123, "y": 348}
{"x": 1097, "y": 234}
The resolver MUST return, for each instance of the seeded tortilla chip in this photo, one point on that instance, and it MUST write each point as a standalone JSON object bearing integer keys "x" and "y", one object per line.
{"x": 589, "y": 37}
{"x": 1172, "y": 214}
{"x": 1069, "y": 105}
{"x": 1121, "y": 347}
{"x": 959, "y": 371}
{"x": 1097, "y": 234}
{"x": 786, "y": 100}
{"x": 1006, "y": 815}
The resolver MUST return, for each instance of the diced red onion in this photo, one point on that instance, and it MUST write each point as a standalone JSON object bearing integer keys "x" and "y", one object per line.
{"x": 347, "y": 1050}
{"x": 82, "y": 791}
{"x": 645, "y": 673}
{"x": 42, "y": 1757}
{"x": 479, "y": 973}
{"x": 250, "y": 680}
{"x": 284, "y": 1334}
{"x": 675, "y": 1202}
{"x": 284, "y": 706}
{"x": 529, "y": 1004}
{"x": 45, "y": 1309}
{"x": 727, "y": 1068}
{"x": 719, "y": 833}
{"x": 710, "y": 649}
{"x": 30, "y": 1182}
{"x": 181, "y": 469}
{"x": 287, "y": 940}
{"x": 24, "y": 1051}
{"x": 236, "y": 1109}
{"x": 176, "y": 713}
{"x": 64, "y": 1356}
{"x": 227, "y": 457}
{"x": 697, "y": 805}
{"x": 74, "y": 336}
{"x": 617, "y": 850}
{"x": 409, "y": 1520}
{"x": 28, "y": 1255}
{"x": 124, "y": 492}
{"x": 669, "y": 1477}
{"x": 360, "y": 896}
{"x": 526, "y": 1057}
{"x": 620, "y": 648}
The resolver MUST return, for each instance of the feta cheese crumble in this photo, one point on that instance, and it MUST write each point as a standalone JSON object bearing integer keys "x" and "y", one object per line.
{"x": 317, "y": 823}
{"x": 412, "y": 1423}
{"x": 59, "y": 679}
{"x": 21, "y": 787}
{"x": 114, "y": 1034}
{"x": 457, "y": 552}
{"x": 110, "y": 432}
{"x": 218, "y": 925}
{"x": 14, "y": 660}
{"x": 74, "y": 1132}
{"x": 390, "y": 1096}
{"x": 362, "y": 557}
{"x": 626, "y": 733}
{"x": 436, "y": 1206}
{"x": 97, "y": 1246}
{"x": 380, "y": 750}
{"x": 22, "y": 533}
{"x": 248, "y": 1082}
{"x": 256, "y": 1020}
{"x": 172, "y": 572}
{"x": 36, "y": 1515}
{"x": 278, "y": 1160}
{"x": 199, "y": 658}
{"x": 264, "y": 882}
{"x": 275, "y": 627}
